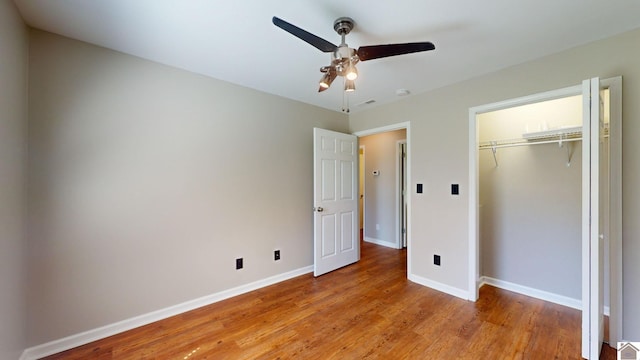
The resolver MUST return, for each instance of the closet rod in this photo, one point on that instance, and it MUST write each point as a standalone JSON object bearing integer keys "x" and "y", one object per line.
{"x": 527, "y": 143}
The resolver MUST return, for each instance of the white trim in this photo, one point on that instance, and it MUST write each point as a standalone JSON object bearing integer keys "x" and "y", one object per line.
{"x": 586, "y": 214}
{"x": 535, "y": 293}
{"x": 86, "y": 337}
{"x": 474, "y": 221}
{"x": 615, "y": 208}
{"x": 529, "y": 99}
{"x": 382, "y": 129}
{"x": 399, "y": 205}
{"x": 462, "y": 294}
{"x": 364, "y": 187}
{"x": 380, "y": 242}
{"x": 409, "y": 208}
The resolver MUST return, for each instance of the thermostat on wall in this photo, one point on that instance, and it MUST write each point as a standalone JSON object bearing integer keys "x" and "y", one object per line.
{"x": 376, "y": 172}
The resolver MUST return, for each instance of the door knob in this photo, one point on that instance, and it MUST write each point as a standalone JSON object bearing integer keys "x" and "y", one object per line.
{"x": 319, "y": 209}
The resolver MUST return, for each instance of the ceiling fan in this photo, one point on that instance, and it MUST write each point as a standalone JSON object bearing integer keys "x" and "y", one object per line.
{"x": 344, "y": 58}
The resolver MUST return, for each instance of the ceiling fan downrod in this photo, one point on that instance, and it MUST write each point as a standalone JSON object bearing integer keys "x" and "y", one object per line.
{"x": 343, "y": 27}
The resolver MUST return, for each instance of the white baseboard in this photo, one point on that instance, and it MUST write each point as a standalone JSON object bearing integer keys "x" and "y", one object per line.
{"x": 463, "y": 294}
{"x": 86, "y": 337}
{"x": 380, "y": 242}
{"x": 535, "y": 293}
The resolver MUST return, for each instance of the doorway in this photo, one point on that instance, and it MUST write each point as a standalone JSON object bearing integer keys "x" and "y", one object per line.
{"x": 389, "y": 232}
{"x": 382, "y": 180}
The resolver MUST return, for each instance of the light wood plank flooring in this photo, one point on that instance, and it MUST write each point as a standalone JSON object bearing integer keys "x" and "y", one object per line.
{"x": 365, "y": 311}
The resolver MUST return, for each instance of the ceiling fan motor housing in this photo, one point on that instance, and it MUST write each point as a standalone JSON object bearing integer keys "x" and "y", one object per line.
{"x": 343, "y": 25}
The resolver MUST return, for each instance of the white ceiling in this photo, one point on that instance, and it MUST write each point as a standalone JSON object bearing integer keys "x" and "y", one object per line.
{"x": 235, "y": 40}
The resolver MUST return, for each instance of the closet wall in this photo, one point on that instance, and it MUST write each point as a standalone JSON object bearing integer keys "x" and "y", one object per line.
{"x": 530, "y": 202}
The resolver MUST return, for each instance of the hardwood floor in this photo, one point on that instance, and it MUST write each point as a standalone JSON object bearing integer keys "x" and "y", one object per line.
{"x": 365, "y": 311}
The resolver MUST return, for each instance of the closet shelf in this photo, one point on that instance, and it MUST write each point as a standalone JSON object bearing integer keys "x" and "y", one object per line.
{"x": 491, "y": 145}
{"x": 563, "y": 132}
{"x": 565, "y": 135}
{"x": 567, "y": 143}
{"x": 559, "y": 136}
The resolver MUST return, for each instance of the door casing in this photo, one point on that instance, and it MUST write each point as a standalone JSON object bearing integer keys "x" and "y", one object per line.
{"x": 401, "y": 194}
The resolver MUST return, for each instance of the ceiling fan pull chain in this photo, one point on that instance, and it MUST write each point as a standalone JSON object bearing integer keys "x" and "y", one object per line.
{"x": 345, "y": 99}
{"x": 343, "y": 95}
{"x": 347, "y": 96}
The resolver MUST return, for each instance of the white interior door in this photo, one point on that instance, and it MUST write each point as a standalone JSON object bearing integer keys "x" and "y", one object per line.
{"x": 592, "y": 229}
{"x": 335, "y": 220}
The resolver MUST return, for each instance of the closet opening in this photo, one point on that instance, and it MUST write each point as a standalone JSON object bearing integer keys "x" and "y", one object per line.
{"x": 532, "y": 197}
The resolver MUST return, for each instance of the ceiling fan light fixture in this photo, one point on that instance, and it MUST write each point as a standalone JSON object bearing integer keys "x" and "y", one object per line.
{"x": 326, "y": 80}
{"x": 352, "y": 72}
{"x": 349, "y": 86}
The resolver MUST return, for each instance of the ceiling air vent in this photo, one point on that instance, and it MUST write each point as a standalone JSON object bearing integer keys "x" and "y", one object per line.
{"x": 368, "y": 102}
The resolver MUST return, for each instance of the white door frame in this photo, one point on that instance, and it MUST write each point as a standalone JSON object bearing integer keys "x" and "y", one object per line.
{"x": 399, "y": 126}
{"x": 593, "y": 231}
{"x": 361, "y": 187}
{"x": 615, "y": 140}
{"x": 399, "y": 188}
{"x": 615, "y": 208}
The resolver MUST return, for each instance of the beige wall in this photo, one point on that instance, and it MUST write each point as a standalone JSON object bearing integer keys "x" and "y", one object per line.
{"x": 146, "y": 182}
{"x": 440, "y": 153}
{"x": 13, "y": 146}
{"x": 380, "y": 191}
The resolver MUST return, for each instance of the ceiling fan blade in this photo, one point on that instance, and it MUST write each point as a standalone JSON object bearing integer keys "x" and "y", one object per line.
{"x": 379, "y": 51}
{"x": 318, "y": 42}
